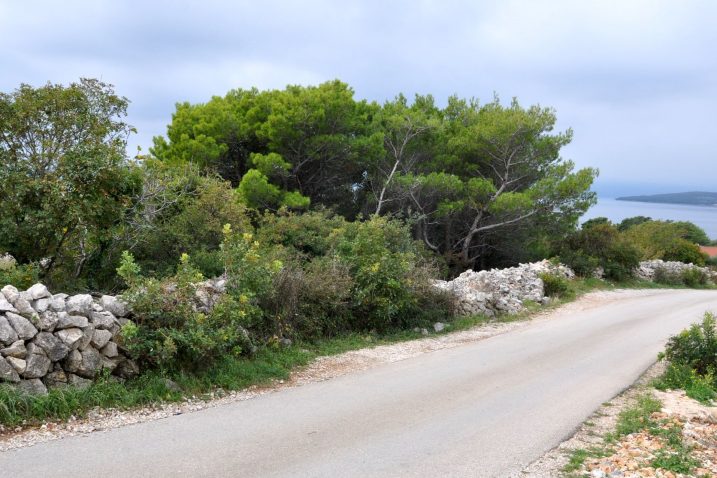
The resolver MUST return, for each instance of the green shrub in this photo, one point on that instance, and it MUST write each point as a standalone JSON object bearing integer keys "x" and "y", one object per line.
{"x": 681, "y": 376}
{"x": 308, "y": 235}
{"x": 670, "y": 241}
{"x": 384, "y": 262}
{"x": 695, "y": 347}
{"x": 580, "y": 262}
{"x": 682, "y": 250}
{"x": 694, "y": 277}
{"x": 184, "y": 214}
{"x": 600, "y": 245}
{"x": 21, "y": 276}
{"x": 169, "y": 332}
{"x": 665, "y": 276}
{"x": 554, "y": 285}
{"x": 312, "y": 300}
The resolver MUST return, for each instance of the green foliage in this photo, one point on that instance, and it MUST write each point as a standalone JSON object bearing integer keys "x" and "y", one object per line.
{"x": 682, "y": 250}
{"x": 181, "y": 212}
{"x": 313, "y": 299}
{"x": 666, "y": 277}
{"x": 306, "y": 235}
{"x": 694, "y": 277}
{"x": 677, "y": 460}
{"x": 600, "y": 246}
{"x": 670, "y": 241}
{"x": 341, "y": 276}
{"x": 637, "y": 418}
{"x": 128, "y": 269}
{"x": 693, "y": 233}
{"x": 382, "y": 259}
{"x": 596, "y": 221}
{"x": 695, "y": 347}
{"x": 287, "y": 147}
{"x": 67, "y": 183}
{"x": 17, "y": 408}
{"x": 462, "y": 174}
{"x": 250, "y": 275}
{"x": 629, "y": 222}
{"x": 683, "y": 376}
{"x": 168, "y": 329}
{"x": 555, "y": 285}
{"x": 21, "y": 276}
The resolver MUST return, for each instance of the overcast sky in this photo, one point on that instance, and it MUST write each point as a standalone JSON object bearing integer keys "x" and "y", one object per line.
{"x": 636, "y": 80}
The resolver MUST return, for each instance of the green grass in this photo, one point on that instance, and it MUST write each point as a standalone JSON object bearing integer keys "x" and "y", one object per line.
{"x": 643, "y": 284}
{"x": 637, "y": 418}
{"x": 579, "y": 456}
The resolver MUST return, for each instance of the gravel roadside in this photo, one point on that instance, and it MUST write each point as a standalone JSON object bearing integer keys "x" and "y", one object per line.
{"x": 591, "y": 432}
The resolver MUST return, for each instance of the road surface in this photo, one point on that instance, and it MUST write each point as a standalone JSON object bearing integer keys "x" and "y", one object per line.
{"x": 483, "y": 409}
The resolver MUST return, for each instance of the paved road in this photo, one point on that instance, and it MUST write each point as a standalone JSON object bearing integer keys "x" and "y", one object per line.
{"x": 483, "y": 409}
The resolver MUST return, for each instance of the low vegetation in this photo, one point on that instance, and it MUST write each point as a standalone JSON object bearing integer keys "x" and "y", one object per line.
{"x": 692, "y": 362}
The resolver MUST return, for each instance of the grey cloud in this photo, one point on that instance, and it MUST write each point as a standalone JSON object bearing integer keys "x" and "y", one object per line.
{"x": 635, "y": 79}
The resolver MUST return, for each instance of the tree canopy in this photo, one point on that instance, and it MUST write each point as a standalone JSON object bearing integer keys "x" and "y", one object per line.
{"x": 462, "y": 175}
{"x": 66, "y": 181}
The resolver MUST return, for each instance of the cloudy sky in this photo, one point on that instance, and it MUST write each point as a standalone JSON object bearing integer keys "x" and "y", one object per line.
{"x": 635, "y": 79}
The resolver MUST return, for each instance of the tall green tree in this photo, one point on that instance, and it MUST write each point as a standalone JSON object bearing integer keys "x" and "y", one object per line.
{"x": 407, "y": 132}
{"x": 497, "y": 169}
{"x": 66, "y": 180}
{"x": 291, "y": 147}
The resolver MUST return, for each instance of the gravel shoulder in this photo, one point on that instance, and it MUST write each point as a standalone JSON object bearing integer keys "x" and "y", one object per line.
{"x": 321, "y": 369}
{"x": 591, "y": 432}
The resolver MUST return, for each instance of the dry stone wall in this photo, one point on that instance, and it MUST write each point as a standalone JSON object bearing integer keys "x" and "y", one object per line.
{"x": 647, "y": 269}
{"x": 49, "y": 341}
{"x": 501, "y": 290}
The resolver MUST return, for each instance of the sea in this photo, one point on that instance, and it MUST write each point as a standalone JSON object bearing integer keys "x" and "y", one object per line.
{"x": 703, "y": 216}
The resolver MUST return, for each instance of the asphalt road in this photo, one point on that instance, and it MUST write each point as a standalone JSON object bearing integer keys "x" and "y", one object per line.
{"x": 482, "y": 409}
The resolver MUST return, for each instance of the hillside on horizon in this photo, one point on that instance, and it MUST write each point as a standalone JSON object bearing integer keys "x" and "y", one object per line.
{"x": 694, "y": 198}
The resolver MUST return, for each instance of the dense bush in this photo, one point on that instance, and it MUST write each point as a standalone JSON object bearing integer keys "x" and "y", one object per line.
{"x": 554, "y": 285}
{"x": 670, "y": 241}
{"x": 181, "y": 212}
{"x": 682, "y": 250}
{"x": 665, "y": 276}
{"x": 347, "y": 276}
{"x": 306, "y": 235}
{"x": 21, "y": 276}
{"x": 312, "y": 300}
{"x": 169, "y": 332}
{"x": 385, "y": 264}
{"x": 693, "y": 277}
{"x": 600, "y": 245}
{"x": 692, "y": 356}
{"x": 365, "y": 276}
{"x": 695, "y": 347}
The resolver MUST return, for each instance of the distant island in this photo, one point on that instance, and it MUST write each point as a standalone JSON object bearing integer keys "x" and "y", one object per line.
{"x": 695, "y": 198}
